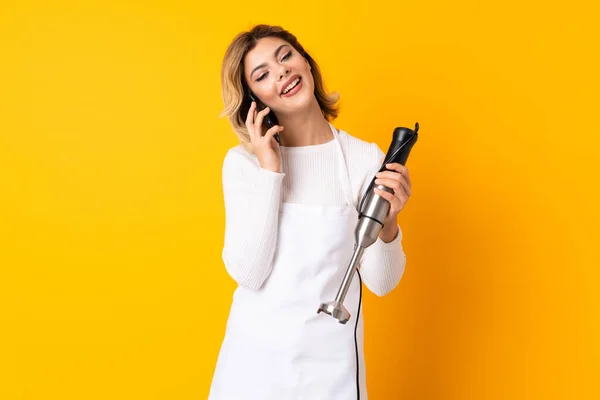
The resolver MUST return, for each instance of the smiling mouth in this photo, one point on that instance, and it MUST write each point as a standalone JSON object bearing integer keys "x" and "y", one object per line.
{"x": 291, "y": 85}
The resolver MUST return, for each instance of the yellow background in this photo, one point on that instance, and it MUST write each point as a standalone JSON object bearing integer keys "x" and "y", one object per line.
{"x": 111, "y": 221}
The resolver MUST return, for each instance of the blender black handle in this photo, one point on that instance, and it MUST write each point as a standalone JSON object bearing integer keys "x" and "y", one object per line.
{"x": 402, "y": 142}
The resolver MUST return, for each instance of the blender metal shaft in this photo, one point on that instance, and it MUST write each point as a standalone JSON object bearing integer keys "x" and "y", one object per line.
{"x": 343, "y": 290}
{"x": 366, "y": 233}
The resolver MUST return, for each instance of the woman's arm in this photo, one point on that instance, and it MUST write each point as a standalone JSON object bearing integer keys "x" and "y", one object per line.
{"x": 252, "y": 198}
{"x": 382, "y": 264}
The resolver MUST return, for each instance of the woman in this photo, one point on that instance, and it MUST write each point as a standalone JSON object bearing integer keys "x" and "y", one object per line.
{"x": 291, "y": 210}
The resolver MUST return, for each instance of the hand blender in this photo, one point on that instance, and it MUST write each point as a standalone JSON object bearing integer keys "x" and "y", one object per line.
{"x": 370, "y": 219}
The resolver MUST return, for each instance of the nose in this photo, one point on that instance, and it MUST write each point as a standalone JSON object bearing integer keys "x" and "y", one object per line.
{"x": 284, "y": 72}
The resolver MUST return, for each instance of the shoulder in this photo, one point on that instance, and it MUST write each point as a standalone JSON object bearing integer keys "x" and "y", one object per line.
{"x": 239, "y": 165}
{"x": 363, "y": 160}
{"x": 359, "y": 151}
{"x": 238, "y": 157}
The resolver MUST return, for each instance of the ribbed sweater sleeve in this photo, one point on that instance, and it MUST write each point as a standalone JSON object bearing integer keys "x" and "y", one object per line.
{"x": 252, "y": 197}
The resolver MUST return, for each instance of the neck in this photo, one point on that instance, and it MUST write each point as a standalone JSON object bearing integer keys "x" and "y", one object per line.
{"x": 305, "y": 128}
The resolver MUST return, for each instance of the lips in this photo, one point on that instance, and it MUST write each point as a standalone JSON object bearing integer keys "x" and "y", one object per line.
{"x": 287, "y": 83}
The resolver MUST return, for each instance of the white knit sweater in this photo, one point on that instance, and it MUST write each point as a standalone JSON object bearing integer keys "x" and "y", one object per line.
{"x": 253, "y": 196}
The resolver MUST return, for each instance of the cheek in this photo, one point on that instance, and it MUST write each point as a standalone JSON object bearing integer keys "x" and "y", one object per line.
{"x": 267, "y": 92}
{"x": 305, "y": 67}
{"x": 306, "y": 72}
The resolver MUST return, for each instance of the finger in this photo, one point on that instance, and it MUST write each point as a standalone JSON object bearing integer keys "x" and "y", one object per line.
{"x": 272, "y": 131}
{"x": 399, "y": 185}
{"x": 258, "y": 121}
{"x": 407, "y": 177}
{"x": 396, "y": 167}
{"x": 402, "y": 169}
{"x": 396, "y": 204}
{"x": 250, "y": 115}
{"x": 391, "y": 183}
{"x": 405, "y": 185}
{"x": 402, "y": 185}
{"x": 389, "y": 175}
{"x": 250, "y": 119}
{"x": 387, "y": 195}
{"x": 275, "y": 145}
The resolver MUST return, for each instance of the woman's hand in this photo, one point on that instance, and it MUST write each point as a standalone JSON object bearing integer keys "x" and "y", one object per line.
{"x": 265, "y": 147}
{"x": 398, "y": 180}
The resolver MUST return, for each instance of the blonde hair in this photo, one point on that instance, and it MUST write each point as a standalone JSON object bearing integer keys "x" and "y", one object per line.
{"x": 233, "y": 84}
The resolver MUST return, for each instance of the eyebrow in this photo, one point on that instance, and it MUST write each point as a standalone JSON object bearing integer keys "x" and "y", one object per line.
{"x": 263, "y": 64}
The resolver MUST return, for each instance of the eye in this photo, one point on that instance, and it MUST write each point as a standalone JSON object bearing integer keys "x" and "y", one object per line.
{"x": 288, "y": 55}
{"x": 260, "y": 78}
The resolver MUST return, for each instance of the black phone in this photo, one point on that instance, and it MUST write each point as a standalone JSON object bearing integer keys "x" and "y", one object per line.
{"x": 270, "y": 119}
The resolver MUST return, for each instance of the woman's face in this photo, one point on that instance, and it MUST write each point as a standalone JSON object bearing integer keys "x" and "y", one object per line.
{"x": 279, "y": 75}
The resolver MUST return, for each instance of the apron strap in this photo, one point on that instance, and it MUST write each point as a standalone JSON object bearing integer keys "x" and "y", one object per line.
{"x": 343, "y": 169}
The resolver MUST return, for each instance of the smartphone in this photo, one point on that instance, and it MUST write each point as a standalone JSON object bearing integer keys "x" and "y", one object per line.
{"x": 270, "y": 119}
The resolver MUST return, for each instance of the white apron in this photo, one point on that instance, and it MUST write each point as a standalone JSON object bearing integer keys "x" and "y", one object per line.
{"x": 276, "y": 346}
